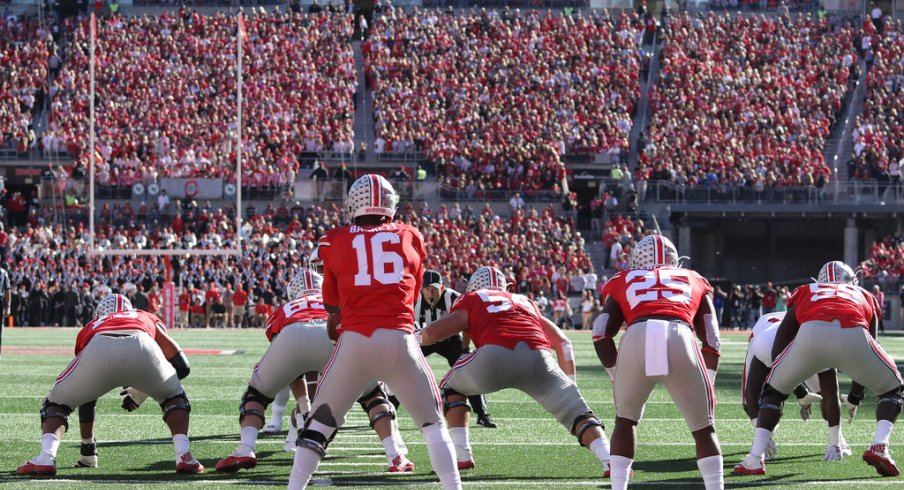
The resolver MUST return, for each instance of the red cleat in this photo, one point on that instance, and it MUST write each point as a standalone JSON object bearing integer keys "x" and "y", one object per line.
{"x": 233, "y": 463}
{"x": 878, "y": 457}
{"x": 401, "y": 464}
{"x": 188, "y": 464}
{"x": 743, "y": 468}
{"x": 30, "y": 468}
{"x": 608, "y": 473}
{"x": 466, "y": 465}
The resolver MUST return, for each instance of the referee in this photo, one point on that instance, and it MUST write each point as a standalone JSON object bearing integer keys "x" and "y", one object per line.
{"x": 435, "y": 301}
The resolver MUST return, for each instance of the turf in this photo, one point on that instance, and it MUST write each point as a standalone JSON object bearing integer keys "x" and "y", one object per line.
{"x": 528, "y": 450}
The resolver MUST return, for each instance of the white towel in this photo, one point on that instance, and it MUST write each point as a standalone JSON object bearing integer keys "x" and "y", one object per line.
{"x": 657, "y": 351}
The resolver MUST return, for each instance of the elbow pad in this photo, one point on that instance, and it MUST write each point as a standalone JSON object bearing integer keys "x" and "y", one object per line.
{"x": 712, "y": 331}
{"x": 180, "y": 363}
{"x": 599, "y": 326}
{"x": 567, "y": 351}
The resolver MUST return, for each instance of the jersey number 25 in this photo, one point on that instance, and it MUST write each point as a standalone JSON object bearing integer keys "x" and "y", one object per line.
{"x": 671, "y": 285}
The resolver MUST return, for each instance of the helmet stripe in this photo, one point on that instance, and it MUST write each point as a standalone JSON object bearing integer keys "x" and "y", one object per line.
{"x": 660, "y": 251}
{"x": 375, "y": 191}
{"x": 832, "y": 272}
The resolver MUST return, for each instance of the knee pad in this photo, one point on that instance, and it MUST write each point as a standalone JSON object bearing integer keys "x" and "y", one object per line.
{"x": 895, "y": 397}
{"x": 313, "y": 440}
{"x": 584, "y": 422}
{"x": 178, "y": 402}
{"x": 378, "y": 391}
{"x": 86, "y": 412}
{"x": 252, "y": 395}
{"x": 312, "y": 435}
{"x": 447, "y": 405}
{"x": 58, "y": 410}
{"x": 772, "y": 399}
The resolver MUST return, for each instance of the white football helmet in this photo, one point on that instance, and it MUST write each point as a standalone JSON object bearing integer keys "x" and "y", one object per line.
{"x": 305, "y": 281}
{"x": 487, "y": 277}
{"x": 371, "y": 194}
{"x": 837, "y": 272}
{"x": 112, "y": 303}
{"x": 654, "y": 251}
{"x": 315, "y": 263}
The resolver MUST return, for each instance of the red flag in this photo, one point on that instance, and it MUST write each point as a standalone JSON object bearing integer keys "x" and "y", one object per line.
{"x": 242, "y": 28}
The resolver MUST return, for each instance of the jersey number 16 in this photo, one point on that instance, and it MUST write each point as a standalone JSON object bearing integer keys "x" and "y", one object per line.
{"x": 387, "y": 265}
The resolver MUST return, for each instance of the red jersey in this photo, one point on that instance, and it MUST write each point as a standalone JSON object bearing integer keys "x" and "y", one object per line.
{"x": 239, "y": 297}
{"x": 303, "y": 310}
{"x": 374, "y": 274}
{"x": 503, "y": 319}
{"x": 122, "y": 320}
{"x": 666, "y": 291}
{"x": 851, "y": 305}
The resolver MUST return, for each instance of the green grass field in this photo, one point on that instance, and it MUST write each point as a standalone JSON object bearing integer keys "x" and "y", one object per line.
{"x": 528, "y": 450}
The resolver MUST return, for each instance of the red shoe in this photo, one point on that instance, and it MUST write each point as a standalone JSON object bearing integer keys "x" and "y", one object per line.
{"x": 30, "y": 468}
{"x": 607, "y": 473}
{"x": 188, "y": 464}
{"x": 233, "y": 463}
{"x": 466, "y": 465}
{"x": 401, "y": 464}
{"x": 743, "y": 469}
{"x": 878, "y": 457}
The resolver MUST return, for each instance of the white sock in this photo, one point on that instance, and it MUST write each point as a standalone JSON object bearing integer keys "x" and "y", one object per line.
{"x": 180, "y": 443}
{"x": 600, "y": 448}
{"x": 883, "y": 432}
{"x": 50, "y": 443}
{"x": 619, "y": 470}
{"x": 462, "y": 445}
{"x": 711, "y": 470}
{"x": 442, "y": 457}
{"x": 833, "y": 435}
{"x": 304, "y": 404}
{"x": 248, "y": 441}
{"x": 760, "y": 441}
{"x": 392, "y": 447}
{"x": 305, "y": 465}
{"x": 753, "y": 422}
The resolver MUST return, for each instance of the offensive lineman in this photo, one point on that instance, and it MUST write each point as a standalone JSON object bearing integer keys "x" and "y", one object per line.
{"x": 662, "y": 305}
{"x": 830, "y": 323}
{"x": 299, "y": 344}
{"x": 513, "y": 343}
{"x": 372, "y": 272}
{"x": 121, "y": 347}
{"x": 757, "y": 366}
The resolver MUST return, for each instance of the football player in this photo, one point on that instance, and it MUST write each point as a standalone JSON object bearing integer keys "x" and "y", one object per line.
{"x": 663, "y": 306}
{"x": 513, "y": 343}
{"x": 121, "y": 347}
{"x": 756, "y": 368}
{"x": 372, "y": 272}
{"x": 299, "y": 344}
{"x": 830, "y": 323}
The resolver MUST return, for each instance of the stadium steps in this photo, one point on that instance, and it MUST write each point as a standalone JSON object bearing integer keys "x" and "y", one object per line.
{"x": 641, "y": 115}
{"x": 364, "y": 110}
{"x": 597, "y": 253}
{"x": 840, "y": 147}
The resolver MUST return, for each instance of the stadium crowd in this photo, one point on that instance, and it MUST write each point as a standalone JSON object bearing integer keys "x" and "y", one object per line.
{"x": 527, "y": 89}
{"x": 166, "y": 95}
{"x": 24, "y": 53}
{"x": 746, "y": 101}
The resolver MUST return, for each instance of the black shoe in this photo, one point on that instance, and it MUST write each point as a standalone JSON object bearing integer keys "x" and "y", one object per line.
{"x": 484, "y": 420}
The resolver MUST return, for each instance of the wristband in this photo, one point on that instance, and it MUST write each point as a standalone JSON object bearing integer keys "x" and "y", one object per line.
{"x": 711, "y": 351}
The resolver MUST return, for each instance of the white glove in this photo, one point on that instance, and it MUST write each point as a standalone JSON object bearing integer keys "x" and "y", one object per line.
{"x": 806, "y": 405}
{"x": 573, "y": 377}
{"x": 771, "y": 449}
{"x": 419, "y": 338}
{"x": 611, "y": 372}
{"x": 712, "y": 375}
{"x": 851, "y": 408}
{"x": 132, "y": 399}
{"x": 833, "y": 453}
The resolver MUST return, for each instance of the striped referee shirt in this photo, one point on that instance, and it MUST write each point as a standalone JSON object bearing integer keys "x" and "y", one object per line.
{"x": 424, "y": 314}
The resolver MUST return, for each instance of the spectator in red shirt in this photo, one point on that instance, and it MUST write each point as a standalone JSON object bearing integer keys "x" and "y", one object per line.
{"x": 239, "y": 298}
{"x": 261, "y": 313}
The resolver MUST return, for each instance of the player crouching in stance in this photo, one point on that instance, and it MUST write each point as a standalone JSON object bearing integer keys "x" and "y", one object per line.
{"x": 299, "y": 344}
{"x": 831, "y": 323}
{"x": 757, "y": 366}
{"x": 121, "y": 347}
{"x": 663, "y": 305}
{"x": 513, "y": 343}
{"x": 372, "y": 272}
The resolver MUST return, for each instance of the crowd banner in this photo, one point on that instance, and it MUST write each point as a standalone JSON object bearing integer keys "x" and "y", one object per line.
{"x": 193, "y": 188}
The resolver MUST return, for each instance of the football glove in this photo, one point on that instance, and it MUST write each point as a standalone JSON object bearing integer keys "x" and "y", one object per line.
{"x": 833, "y": 453}
{"x": 611, "y": 372}
{"x": 851, "y": 403}
{"x": 132, "y": 399}
{"x": 806, "y": 404}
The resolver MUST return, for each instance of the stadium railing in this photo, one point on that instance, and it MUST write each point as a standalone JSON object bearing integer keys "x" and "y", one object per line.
{"x": 853, "y": 192}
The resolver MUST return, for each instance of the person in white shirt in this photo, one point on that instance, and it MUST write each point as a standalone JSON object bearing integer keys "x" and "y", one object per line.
{"x": 590, "y": 279}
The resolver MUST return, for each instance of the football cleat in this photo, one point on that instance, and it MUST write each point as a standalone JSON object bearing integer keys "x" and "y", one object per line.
{"x": 273, "y": 427}
{"x": 188, "y": 464}
{"x": 845, "y": 449}
{"x": 607, "y": 473}
{"x": 771, "y": 450}
{"x": 745, "y": 467}
{"x": 485, "y": 421}
{"x": 235, "y": 462}
{"x": 401, "y": 464}
{"x": 878, "y": 457}
{"x": 466, "y": 465}
{"x": 32, "y": 468}
{"x": 86, "y": 462}
{"x": 833, "y": 453}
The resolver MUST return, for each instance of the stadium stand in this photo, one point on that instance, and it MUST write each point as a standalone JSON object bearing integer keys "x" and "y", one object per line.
{"x": 24, "y": 53}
